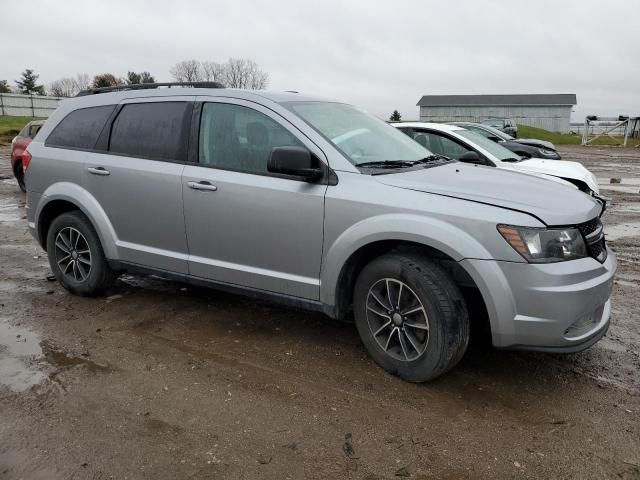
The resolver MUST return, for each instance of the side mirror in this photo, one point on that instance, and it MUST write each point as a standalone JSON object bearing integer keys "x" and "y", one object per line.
{"x": 495, "y": 139}
{"x": 471, "y": 157}
{"x": 295, "y": 161}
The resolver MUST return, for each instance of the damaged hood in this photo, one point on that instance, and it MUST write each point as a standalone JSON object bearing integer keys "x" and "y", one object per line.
{"x": 551, "y": 202}
{"x": 557, "y": 168}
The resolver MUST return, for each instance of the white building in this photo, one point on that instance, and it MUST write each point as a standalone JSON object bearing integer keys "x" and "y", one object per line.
{"x": 548, "y": 111}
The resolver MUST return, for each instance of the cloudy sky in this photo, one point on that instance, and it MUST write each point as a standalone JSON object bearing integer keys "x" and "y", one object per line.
{"x": 379, "y": 55}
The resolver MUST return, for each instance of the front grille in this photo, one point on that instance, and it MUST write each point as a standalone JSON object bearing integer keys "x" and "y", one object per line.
{"x": 593, "y": 234}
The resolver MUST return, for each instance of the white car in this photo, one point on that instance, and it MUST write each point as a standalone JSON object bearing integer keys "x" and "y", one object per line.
{"x": 468, "y": 146}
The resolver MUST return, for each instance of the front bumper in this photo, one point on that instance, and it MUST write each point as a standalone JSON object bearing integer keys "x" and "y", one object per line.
{"x": 557, "y": 307}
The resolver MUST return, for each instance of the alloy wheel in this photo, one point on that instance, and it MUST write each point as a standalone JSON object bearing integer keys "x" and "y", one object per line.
{"x": 397, "y": 319}
{"x": 73, "y": 254}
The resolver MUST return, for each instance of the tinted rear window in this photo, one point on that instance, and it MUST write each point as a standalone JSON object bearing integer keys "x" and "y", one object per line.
{"x": 81, "y": 128}
{"x": 151, "y": 130}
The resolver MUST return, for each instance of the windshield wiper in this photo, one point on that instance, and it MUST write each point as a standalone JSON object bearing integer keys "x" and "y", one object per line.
{"x": 388, "y": 164}
{"x": 435, "y": 158}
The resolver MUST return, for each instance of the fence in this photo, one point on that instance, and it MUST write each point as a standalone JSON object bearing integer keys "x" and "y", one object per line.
{"x": 27, "y": 105}
{"x": 578, "y": 128}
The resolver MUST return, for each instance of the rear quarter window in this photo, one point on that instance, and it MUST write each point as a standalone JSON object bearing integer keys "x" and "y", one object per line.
{"x": 157, "y": 130}
{"x": 80, "y": 129}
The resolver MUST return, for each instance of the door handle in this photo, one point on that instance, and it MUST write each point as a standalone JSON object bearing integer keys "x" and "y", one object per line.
{"x": 98, "y": 171}
{"x": 202, "y": 185}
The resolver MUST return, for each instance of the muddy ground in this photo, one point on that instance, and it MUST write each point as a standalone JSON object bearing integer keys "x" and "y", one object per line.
{"x": 162, "y": 381}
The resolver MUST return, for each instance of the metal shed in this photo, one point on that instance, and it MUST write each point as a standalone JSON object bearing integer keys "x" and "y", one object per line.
{"x": 549, "y": 111}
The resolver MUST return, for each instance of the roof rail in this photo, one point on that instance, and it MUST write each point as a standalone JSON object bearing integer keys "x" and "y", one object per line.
{"x": 143, "y": 86}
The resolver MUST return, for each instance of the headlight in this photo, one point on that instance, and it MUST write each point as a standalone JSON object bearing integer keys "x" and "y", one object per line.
{"x": 546, "y": 152}
{"x": 540, "y": 245}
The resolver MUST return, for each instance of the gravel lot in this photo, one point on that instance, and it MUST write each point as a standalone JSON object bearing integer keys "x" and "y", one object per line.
{"x": 162, "y": 381}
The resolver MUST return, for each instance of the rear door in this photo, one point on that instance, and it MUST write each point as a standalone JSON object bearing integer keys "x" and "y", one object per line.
{"x": 137, "y": 181}
{"x": 246, "y": 226}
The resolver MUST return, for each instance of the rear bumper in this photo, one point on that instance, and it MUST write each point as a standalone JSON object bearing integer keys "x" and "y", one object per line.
{"x": 559, "y": 307}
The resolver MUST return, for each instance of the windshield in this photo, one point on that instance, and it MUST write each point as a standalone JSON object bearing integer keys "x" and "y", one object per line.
{"x": 488, "y": 131}
{"x": 361, "y": 137}
{"x": 496, "y": 150}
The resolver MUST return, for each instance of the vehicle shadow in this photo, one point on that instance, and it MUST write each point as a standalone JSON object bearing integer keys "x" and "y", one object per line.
{"x": 269, "y": 324}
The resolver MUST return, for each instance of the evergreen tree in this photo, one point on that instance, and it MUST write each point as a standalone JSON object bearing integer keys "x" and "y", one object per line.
{"x": 146, "y": 77}
{"x": 395, "y": 116}
{"x": 4, "y": 87}
{"x": 27, "y": 84}
{"x": 134, "y": 78}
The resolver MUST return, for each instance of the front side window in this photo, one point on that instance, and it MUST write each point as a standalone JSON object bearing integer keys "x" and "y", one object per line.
{"x": 233, "y": 137}
{"x": 157, "y": 130}
{"x": 81, "y": 128}
{"x": 440, "y": 144}
{"x": 362, "y": 138}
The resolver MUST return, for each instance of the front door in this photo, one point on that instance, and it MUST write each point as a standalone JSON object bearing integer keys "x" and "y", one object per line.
{"x": 246, "y": 226}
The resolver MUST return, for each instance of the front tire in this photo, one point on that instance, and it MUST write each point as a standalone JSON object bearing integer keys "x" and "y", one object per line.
{"x": 411, "y": 316}
{"x": 76, "y": 256}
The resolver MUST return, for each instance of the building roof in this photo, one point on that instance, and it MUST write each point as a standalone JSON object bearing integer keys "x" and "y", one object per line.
{"x": 493, "y": 100}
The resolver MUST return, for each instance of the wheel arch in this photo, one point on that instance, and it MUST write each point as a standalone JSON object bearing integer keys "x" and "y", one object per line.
{"x": 429, "y": 237}
{"x": 63, "y": 197}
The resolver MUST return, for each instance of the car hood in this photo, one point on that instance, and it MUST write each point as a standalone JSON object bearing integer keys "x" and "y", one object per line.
{"x": 559, "y": 168}
{"x": 553, "y": 203}
{"x": 536, "y": 143}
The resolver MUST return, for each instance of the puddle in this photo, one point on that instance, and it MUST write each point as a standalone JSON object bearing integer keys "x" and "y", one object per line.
{"x": 623, "y": 181}
{"x": 620, "y": 188}
{"x": 626, "y": 208}
{"x": 63, "y": 360}
{"x": 24, "y": 358}
{"x": 10, "y": 212}
{"x": 20, "y": 354}
{"x": 620, "y": 230}
{"x": 626, "y": 185}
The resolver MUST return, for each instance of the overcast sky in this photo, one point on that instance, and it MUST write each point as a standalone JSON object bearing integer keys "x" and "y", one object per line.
{"x": 379, "y": 55}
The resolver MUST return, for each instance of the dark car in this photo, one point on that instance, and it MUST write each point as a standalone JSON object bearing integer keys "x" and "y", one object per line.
{"x": 505, "y": 125}
{"x": 19, "y": 145}
{"x": 524, "y": 147}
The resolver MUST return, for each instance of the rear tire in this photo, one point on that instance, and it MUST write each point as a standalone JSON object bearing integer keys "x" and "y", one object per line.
{"x": 19, "y": 174}
{"x": 76, "y": 256}
{"x": 411, "y": 316}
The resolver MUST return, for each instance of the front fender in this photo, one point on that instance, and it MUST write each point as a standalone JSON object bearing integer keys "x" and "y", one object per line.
{"x": 443, "y": 236}
{"x": 73, "y": 193}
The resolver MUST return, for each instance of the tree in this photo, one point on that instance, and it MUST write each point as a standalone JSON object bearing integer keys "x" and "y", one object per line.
{"x": 134, "y": 78}
{"x": 83, "y": 81}
{"x": 395, "y": 116}
{"x": 63, "y": 87}
{"x": 4, "y": 87}
{"x": 146, "y": 77}
{"x": 234, "y": 73}
{"x": 107, "y": 80}
{"x": 187, "y": 71}
{"x": 241, "y": 73}
{"x": 213, "y": 72}
{"x": 27, "y": 84}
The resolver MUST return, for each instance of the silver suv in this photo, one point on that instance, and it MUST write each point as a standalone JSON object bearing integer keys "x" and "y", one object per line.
{"x": 320, "y": 205}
